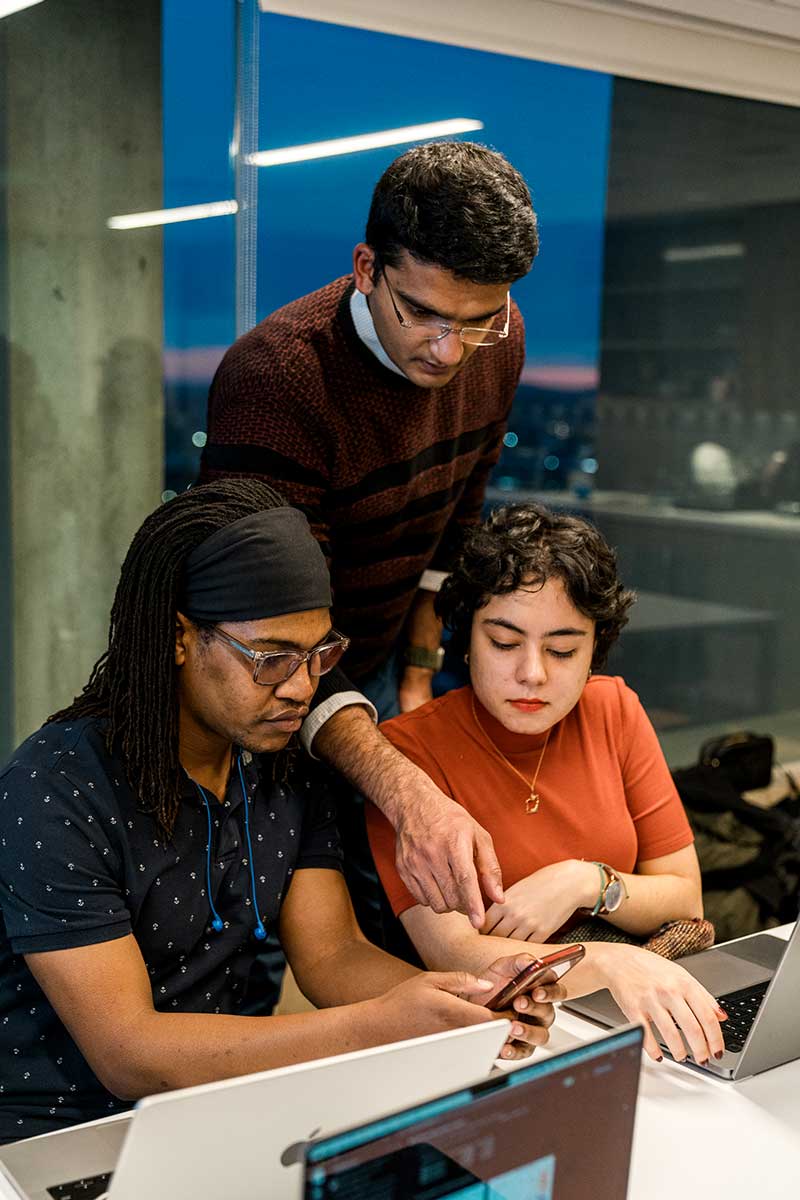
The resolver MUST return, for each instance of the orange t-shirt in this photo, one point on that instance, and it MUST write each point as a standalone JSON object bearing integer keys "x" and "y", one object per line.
{"x": 606, "y": 791}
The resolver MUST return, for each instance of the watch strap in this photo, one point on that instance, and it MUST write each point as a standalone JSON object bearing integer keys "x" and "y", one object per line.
{"x": 420, "y": 656}
{"x": 604, "y": 882}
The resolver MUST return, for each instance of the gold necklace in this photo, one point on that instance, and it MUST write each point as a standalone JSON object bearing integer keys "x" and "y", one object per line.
{"x": 532, "y": 801}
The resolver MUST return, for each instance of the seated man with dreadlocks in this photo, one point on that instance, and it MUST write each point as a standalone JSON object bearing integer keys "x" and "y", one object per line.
{"x": 157, "y": 827}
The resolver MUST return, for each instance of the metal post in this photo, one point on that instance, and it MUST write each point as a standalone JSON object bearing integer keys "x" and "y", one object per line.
{"x": 245, "y": 143}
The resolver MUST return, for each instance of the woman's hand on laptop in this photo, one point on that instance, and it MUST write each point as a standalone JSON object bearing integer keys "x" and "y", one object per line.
{"x": 656, "y": 992}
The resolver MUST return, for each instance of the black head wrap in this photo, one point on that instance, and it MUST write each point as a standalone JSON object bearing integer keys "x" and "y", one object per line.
{"x": 264, "y": 565}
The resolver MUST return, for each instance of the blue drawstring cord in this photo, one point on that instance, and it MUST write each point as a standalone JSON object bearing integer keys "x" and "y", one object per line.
{"x": 217, "y": 924}
{"x": 259, "y": 931}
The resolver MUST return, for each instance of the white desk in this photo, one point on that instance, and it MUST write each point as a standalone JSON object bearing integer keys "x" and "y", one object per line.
{"x": 701, "y": 1138}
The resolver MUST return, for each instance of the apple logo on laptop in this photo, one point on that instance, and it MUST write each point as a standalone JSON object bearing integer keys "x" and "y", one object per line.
{"x": 293, "y": 1154}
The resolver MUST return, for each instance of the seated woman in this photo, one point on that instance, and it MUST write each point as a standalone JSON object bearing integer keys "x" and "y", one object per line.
{"x": 563, "y": 769}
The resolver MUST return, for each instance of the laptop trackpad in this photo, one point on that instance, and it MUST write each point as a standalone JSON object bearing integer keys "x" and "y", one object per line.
{"x": 721, "y": 972}
{"x": 762, "y": 948}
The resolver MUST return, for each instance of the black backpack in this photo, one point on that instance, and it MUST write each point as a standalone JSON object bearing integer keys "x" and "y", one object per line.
{"x": 749, "y": 855}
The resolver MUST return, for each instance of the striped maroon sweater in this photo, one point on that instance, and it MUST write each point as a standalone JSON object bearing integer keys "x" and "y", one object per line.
{"x": 388, "y": 473}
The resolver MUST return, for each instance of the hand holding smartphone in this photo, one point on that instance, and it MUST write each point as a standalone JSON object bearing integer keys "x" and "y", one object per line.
{"x": 539, "y": 973}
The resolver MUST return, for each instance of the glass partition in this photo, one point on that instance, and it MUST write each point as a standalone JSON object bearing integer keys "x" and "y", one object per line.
{"x": 312, "y": 213}
{"x": 659, "y": 393}
{"x": 199, "y": 276}
{"x": 698, "y": 414}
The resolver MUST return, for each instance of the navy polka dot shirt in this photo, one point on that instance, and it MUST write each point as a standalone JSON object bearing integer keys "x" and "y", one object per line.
{"x": 80, "y": 864}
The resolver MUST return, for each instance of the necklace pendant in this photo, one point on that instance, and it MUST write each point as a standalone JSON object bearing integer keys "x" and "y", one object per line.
{"x": 532, "y": 804}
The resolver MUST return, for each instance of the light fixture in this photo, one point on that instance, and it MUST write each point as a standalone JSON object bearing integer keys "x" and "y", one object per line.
{"x": 362, "y": 141}
{"x": 169, "y": 216}
{"x": 7, "y": 7}
{"x": 294, "y": 154}
{"x": 688, "y": 254}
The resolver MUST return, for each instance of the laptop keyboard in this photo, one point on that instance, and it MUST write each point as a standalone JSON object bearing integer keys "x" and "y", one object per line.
{"x": 741, "y": 1008}
{"x": 90, "y": 1188}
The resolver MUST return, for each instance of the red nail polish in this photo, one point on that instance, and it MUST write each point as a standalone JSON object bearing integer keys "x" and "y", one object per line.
{"x": 719, "y": 1054}
{"x": 660, "y": 1058}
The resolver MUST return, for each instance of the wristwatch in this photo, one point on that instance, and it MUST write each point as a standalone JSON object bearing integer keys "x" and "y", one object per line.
{"x": 419, "y": 656}
{"x": 612, "y": 891}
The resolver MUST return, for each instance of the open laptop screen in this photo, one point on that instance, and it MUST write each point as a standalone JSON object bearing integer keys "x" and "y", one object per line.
{"x": 560, "y": 1129}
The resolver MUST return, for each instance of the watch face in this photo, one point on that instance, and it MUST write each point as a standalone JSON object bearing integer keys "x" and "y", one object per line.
{"x": 613, "y": 897}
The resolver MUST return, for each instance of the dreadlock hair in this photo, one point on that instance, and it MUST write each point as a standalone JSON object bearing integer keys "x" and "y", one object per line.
{"x": 524, "y": 545}
{"x": 133, "y": 685}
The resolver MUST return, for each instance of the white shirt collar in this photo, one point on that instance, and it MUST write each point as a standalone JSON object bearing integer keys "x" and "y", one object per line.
{"x": 365, "y": 328}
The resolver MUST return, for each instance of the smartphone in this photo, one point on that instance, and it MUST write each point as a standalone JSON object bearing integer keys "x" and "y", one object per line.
{"x": 541, "y": 971}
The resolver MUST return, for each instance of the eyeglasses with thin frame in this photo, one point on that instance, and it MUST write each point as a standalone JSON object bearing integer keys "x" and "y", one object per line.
{"x": 275, "y": 666}
{"x": 435, "y": 331}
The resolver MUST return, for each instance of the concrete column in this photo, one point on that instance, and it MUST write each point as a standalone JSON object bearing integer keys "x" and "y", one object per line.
{"x": 84, "y": 402}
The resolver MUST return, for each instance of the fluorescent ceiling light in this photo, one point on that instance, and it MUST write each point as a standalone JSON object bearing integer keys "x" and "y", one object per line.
{"x": 292, "y": 154}
{"x": 686, "y": 254}
{"x": 168, "y": 216}
{"x": 362, "y": 141}
{"x": 7, "y": 7}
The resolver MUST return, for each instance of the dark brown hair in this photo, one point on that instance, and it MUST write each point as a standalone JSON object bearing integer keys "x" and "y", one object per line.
{"x": 526, "y": 544}
{"x": 457, "y": 205}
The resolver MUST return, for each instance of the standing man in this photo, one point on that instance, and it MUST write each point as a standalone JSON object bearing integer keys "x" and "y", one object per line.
{"x": 155, "y": 830}
{"x": 378, "y": 406}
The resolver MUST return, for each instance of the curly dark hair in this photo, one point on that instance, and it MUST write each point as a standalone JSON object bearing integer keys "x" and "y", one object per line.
{"x": 524, "y": 544}
{"x": 134, "y": 684}
{"x": 457, "y": 205}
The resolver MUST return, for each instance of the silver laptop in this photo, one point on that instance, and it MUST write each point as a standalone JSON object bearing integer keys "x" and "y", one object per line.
{"x": 559, "y": 1129}
{"x": 757, "y": 981}
{"x": 200, "y": 1141}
